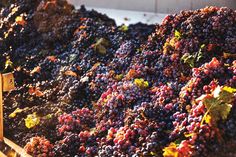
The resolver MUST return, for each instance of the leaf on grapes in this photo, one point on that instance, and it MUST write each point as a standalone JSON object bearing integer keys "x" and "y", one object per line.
{"x": 199, "y": 54}
{"x": 171, "y": 150}
{"x": 20, "y": 20}
{"x": 101, "y": 49}
{"x": 222, "y": 111}
{"x": 153, "y": 154}
{"x": 79, "y": 68}
{"x": 8, "y": 63}
{"x": 224, "y": 95}
{"x": 14, "y": 10}
{"x": 203, "y": 97}
{"x": 13, "y": 114}
{"x": 82, "y": 27}
{"x": 32, "y": 120}
{"x": 188, "y": 59}
{"x": 229, "y": 55}
{"x": 48, "y": 116}
{"x": 52, "y": 58}
{"x": 177, "y": 34}
{"x": 70, "y": 73}
{"x": 219, "y": 105}
{"x": 93, "y": 131}
{"x": 189, "y": 134}
{"x": 6, "y": 34}
{"x": 36, "y": 70}
{"x": 141, "y": 83}
{"x": 95, "y": 66}
{"x": 202, "y": 46}
{"x": 191, "y": 60}
{"x": 124, "y": 28}
{"x": 131, "y": 74}
{"x": 100, "y": 46}
{"x": 119, "y": 77}
{"x": 207, "y": 119}
{"x": 35, "y": 91}
{"x": 229, "y": 89}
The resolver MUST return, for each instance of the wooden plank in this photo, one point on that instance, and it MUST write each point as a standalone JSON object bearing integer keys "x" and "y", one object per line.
{"x": 17, "y": 148}
{"x": 2, "y": 155}
{"x": 1, "y": 110}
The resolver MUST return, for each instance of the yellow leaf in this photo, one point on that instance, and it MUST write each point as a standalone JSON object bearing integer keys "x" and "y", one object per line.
{"x": 208, "y": 119}
{"x": 141, "y": 83}
{"x": 70, "y": 73}
{"x": 13, "y": 114}
{"x": 8, "y": 62}
{"x": 36, "y": 70}
{"x": 229, "y": 89}
{"x": 177, "y": 34}
{"x": 20, "y": 20}
{"x": 35, "y": 91}
{"x": 95, "y": 66}
{"x": 6, "y": 34}
{"x": 229, "y": 55}
{"x": 124, "y": 28}
{"x": 171, "y": 150}
{"x": 219, "y": 106}
{"x": 172, "y": 42}
{"x": 131, "y": 74}
{"x": 153, "y": 154}
{"x": 188, "y": 134}
{"x": 119, "y": 77}
{"x": 52, "y": 58}
{"x": 32, "y": 120}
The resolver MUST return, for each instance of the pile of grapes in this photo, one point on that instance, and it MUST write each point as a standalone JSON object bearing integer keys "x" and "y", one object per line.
{"x": 86, "y": 87}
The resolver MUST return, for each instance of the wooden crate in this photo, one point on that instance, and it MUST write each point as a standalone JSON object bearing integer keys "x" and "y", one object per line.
{"x": 14, "y": 149}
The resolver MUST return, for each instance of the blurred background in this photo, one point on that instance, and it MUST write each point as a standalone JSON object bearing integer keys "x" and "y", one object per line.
{"x": 158, "y": 6}
{"x": 147, "y": 11}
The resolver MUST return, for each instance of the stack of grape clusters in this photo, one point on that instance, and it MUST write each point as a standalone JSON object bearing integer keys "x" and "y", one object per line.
{"x": 87, "y": 87}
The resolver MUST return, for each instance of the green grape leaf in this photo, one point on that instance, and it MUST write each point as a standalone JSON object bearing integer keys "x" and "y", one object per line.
{"x": 199, "y": 54}
{"x": 217, "y": 110}
{"x": 32, "y": 120}
{"x": 189, "y": 59}
{"x": 219, "y": 104}
{"x": 224, "y": 95}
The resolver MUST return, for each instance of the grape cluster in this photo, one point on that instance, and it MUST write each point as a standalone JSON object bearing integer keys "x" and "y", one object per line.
{"x": 39, "y": 146}
{"x": 97, "y": 89}
{"x": 81, "y": 119}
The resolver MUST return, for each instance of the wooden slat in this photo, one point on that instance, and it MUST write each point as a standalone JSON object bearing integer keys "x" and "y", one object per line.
{"x": 2, "y": 155}
{"x": 1, "y": 110}
{"x": 17, "y": 148}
